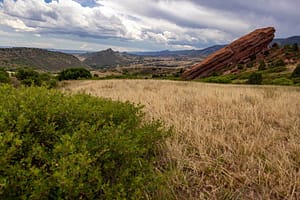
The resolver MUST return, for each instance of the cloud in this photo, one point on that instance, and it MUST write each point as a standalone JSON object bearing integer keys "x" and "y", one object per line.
{"x": 65, "y": 16}
{"x": 155, "y": 23}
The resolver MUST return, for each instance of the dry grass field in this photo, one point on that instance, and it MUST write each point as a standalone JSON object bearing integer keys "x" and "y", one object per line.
{"x": 230, "y": 142}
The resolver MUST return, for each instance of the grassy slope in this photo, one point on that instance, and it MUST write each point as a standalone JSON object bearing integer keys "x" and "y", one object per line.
{"x": 231, "y": 141}
{"x": 37, "y": 58}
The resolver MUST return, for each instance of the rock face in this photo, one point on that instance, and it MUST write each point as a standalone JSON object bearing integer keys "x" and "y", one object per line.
{"x": 239, "y": 51}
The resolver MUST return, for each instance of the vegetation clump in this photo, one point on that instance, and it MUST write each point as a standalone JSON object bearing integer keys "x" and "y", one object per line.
{"x": 296, "y": 72}
{"x": 255, "y": 78}
{"x": 262, "y": 65}
{"x": 74, "y": 74}
{"x": 30, "y": 77}
{"x": 219, "y": 79}
{"x": 4, "y": 76}
{"x": 282, "y": 81}
{"x": 56, "y": 146}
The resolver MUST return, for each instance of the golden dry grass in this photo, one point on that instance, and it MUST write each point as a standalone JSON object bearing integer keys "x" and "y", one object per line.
{"x": 231, "y": 141}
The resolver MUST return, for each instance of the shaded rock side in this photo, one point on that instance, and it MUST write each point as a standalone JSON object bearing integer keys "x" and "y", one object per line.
{"x": 239, "y": 51}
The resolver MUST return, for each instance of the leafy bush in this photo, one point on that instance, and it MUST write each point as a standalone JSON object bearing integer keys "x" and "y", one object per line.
{"x": 250, "y": 64}
{"x": 296, "y": 80}
{"x": 262, "y": 65}
{"x": 278, "y": 63}
{"x": 29, "y": 77}
{"x": 296, "y": 72}
{"x": 240, "y": 66}
{"x": 74, "y": 74}
{"x": 282, "y": 81}
{"x": 295, "y": 47}
{"x": 219, "y": 79}
{"x": 276, "y": 69}
{"x": 4, "y": 76}
{"x": 255, "y": 78}
{"x": 56, "y": 146}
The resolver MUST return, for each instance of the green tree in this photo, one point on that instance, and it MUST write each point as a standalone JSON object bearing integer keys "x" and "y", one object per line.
{"x": 4, "y": 76}
{"x": 74, "y": 74}
{"x": 262, "y": 65}
{"x": 295, "y": 47}
{"x": 296, "y": 72}
{"x": 278, "y": 63}
{"x": 255, "y": 78}
{"x": 29, "y": 77}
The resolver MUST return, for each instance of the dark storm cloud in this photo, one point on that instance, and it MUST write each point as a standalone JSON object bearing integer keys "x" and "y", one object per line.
{"x": 283, "y": 14}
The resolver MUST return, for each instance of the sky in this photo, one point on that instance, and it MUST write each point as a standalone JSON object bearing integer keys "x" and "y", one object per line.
{"x": 140, "y": 25}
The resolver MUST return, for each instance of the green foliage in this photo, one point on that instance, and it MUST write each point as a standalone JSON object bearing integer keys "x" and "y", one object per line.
{"x": 4, "y": 76}
{"x": 262, "y": 65}
{"x": 29, "y": 77}
{"x": 282, "y": 81}
{"x": 276, "y": 69}
{"x": 255, "y": 78}
{"x": 291, "y": 48}
{"x": 56, "y": 146}
{"x": 74, "y": 74}
{"x": 275, "y": 46}
{"x": 240, "y": 66}
{"x": 278, "y": 63}
{"x": 250, "y": 64}
{"x": 296, "y": 72}
{"x": 295, "y": 47}
{"x": 219, "y": 79}
{"x": 296, "y": 80}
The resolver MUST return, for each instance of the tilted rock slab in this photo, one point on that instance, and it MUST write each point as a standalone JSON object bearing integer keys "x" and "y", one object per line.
{"x": 237, "y": 52}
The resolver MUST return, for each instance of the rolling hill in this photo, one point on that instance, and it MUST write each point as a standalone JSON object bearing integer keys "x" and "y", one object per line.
{"x": 287, "y": 41}
{"x": 107, "y": 58}
{"x": 37, "y": 58}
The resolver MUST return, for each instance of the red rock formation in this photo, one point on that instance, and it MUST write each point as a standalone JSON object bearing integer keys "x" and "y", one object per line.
{"x": 238, "y": 51}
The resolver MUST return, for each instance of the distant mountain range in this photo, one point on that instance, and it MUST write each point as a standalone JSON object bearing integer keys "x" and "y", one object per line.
{"x": 110, "y": 58}
{"x": 287, "y": 41}
{"x": 207, "y": 51}
{"x": 201, "y": 53}
{"x": 56, "y": 60}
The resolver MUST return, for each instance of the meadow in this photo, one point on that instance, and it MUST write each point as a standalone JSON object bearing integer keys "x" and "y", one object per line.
{"x": 230, "y": 141}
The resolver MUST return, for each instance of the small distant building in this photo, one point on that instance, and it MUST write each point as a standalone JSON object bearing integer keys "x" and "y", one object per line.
{"x": 11, "y": 74}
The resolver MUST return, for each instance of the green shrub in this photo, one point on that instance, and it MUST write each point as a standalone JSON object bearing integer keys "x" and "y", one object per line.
{"x": 296, "y": 80}
{"x": 262, "y": 65}
{"x": 74, "y": 74}
{"x": 282, "y": 81}
{"x": 295, "y": 47}
{"x": 255, "y": 78}
{"x": 296, "y": 72}
{"x": 218, "y": 79}
{"x": 276, "y": 69}
{"x": 278, "y": 63}
{"x": 4, "y": 76}
{"x": 240, "y": 66}
{"x": 29, "y": 77}
{"x": 56, "y": 146}
{"x": 250, "y": 64}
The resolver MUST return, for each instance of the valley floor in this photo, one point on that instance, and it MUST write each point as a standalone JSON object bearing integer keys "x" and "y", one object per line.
{"x": 231, "y": 141}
